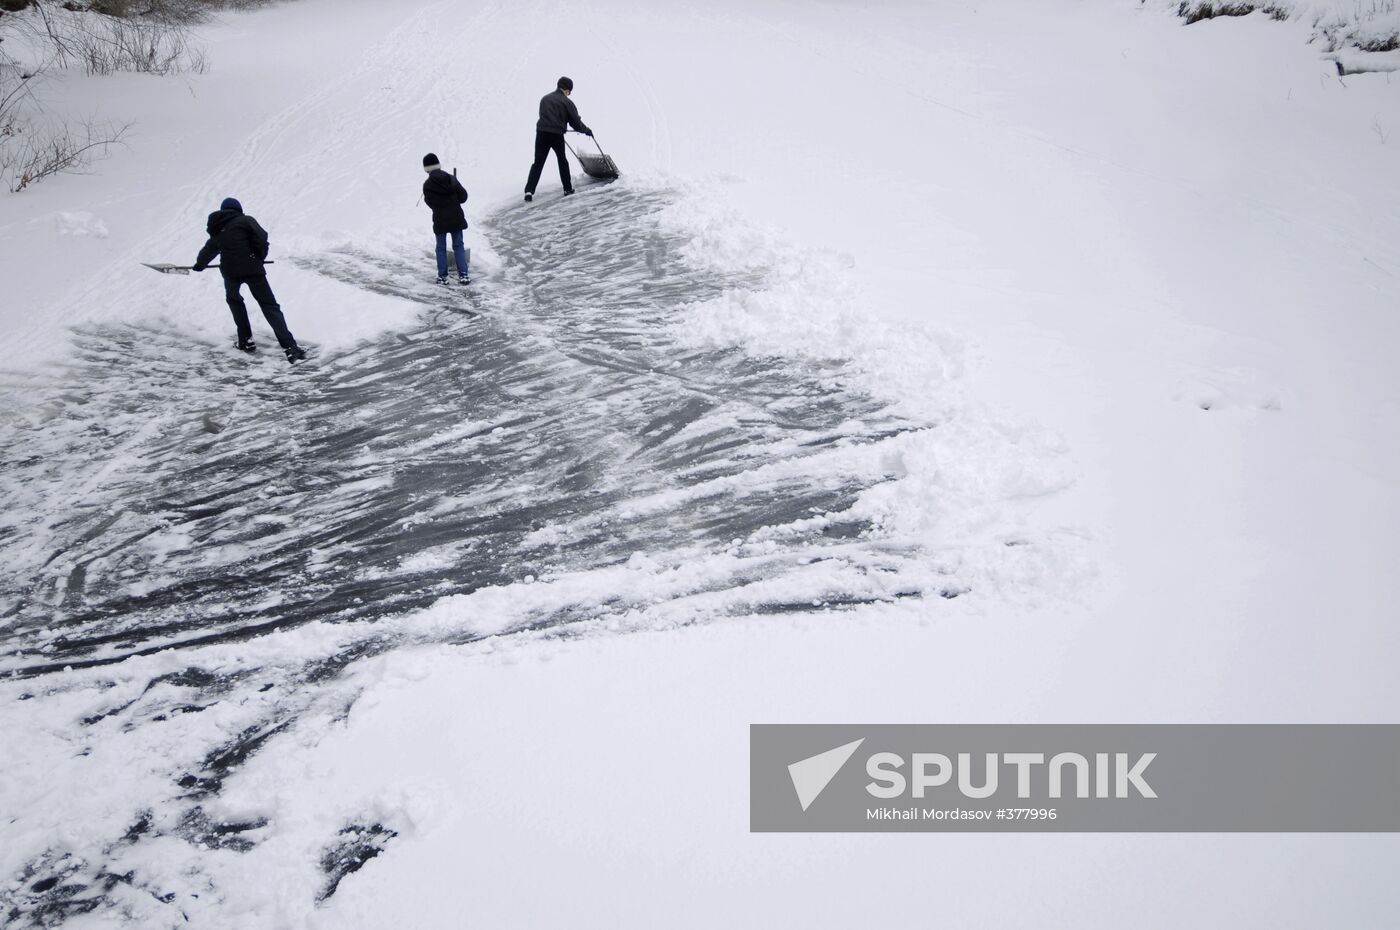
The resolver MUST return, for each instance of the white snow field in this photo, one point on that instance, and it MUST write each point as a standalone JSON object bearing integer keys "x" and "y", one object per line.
{"x": 1029, "y": 361}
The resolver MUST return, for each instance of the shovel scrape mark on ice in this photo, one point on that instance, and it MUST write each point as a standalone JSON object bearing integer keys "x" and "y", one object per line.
{"x": 356, "y": 845}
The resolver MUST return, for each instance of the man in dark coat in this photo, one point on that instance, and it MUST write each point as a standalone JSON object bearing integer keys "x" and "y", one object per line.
{"x": 444, "y": 195}
{"x": 557, "y": 113}
{"x": 243, "y": 245}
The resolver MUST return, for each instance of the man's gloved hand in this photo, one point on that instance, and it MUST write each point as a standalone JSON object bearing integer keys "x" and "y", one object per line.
{"x": 196, "y": 268}
{"x": 588, "y": 133}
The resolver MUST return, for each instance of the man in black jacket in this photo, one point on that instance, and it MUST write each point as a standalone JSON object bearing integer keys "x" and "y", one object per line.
{"x": 444, "y": 195}
{"x": 243, "y": 245}
{"x": 557, "y": 113}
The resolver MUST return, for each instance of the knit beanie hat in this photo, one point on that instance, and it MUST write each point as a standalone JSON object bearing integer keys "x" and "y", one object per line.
{"x": 231, "y": 204}
{"x": 430, "y": 162}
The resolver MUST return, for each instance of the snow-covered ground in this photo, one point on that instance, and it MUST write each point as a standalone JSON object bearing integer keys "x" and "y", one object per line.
{"x": 1028, "y": 361}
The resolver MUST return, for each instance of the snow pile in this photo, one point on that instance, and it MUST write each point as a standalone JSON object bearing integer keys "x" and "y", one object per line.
{"x": 80, "y": 223}
{"x": 969, "y": 486}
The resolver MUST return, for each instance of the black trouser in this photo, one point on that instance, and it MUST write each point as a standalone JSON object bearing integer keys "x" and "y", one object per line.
{"x": 262, "y": 293}
{"x": 544, "y": 143}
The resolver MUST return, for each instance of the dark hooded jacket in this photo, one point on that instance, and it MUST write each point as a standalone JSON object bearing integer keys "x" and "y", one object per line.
{"x": 557, "y": 113}
{"x": 444, "y": 195}
{"x": 239, "y": 239}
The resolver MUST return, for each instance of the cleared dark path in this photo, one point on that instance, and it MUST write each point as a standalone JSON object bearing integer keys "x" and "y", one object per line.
{"x": 547, "y": 420}
{"x": 174, "y": 498}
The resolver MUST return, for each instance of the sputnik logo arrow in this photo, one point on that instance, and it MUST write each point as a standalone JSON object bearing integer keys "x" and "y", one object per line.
{"x": 811, "y": 776}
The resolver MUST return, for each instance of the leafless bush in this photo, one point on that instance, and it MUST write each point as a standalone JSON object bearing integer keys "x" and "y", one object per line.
{"x": 16, "y": 94}
{"x": 1193, "y": 11}
{"x": 101, "y": 37}
{"x": 103, "y": 43}
{"x": 33, "y": 147}
{"x": 34, "y": 151}
{"x": 1379, "y": 43}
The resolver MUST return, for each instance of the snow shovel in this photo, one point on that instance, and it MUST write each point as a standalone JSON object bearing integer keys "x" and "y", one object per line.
{"x": 167, "y": 268}
{"x": 599, "y": 166}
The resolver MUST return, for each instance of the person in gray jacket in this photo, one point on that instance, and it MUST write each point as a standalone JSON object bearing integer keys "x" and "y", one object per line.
{"x": 557, "y": 114}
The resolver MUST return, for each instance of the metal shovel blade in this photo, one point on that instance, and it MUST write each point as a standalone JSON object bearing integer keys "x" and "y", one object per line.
{"x": 167, "y": 268}
{"x": 600, "y": 167}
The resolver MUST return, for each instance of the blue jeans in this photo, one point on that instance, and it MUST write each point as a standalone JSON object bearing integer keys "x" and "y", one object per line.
{"x": 458, "y": 252}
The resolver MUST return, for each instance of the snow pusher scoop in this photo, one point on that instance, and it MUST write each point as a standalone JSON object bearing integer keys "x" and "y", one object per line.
{"x": 598, "y": 166}
{"x": 167, "y": 268}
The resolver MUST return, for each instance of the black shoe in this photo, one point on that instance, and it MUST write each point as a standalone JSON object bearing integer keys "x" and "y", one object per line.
{"x": 443, "y": 280}
{"x": 295, "y": 353}
{"x": 247, "y": 345}
{"x": 568, "y": 192}
{"x": 463, "y": 279}
{"x": 529, "y": 196}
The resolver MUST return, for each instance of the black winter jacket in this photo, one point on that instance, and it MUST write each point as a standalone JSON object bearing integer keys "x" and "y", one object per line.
{"x": 557, "y": 113}
{"x": 444, "y": 195}
{"x": 239, "y": 239}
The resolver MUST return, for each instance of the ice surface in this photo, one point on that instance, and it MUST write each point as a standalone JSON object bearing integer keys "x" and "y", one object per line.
{"x": 1021, "y": 362}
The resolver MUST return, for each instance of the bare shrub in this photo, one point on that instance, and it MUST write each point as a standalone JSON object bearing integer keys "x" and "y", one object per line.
{"x": 34, "y": 147}
{"x": 1383, "y": 43}
{"x": 1193, "y": 11}
{"x": 101, "y": 37}
{"x": 143, "y": 46}
{"x": 16, "y": 96}
{"x": 37, "y": 151}
{"x": 103, "y": 43}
